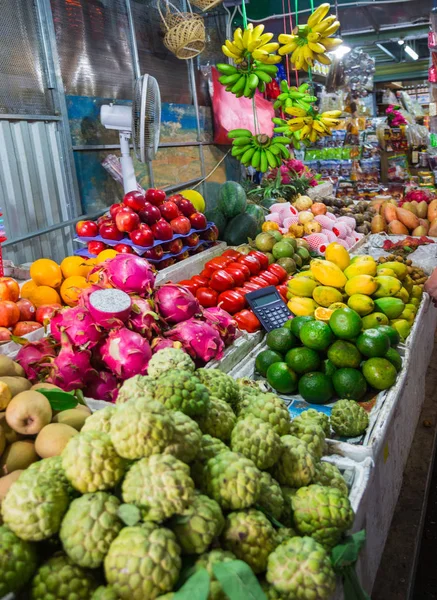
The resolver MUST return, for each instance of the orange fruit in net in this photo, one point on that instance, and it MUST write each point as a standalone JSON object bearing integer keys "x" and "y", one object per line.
{"x": 71, "y": 289}
{"x": 75, "y": 265}
{"x": 45, "y": 271}
{"x": 27, "y": 289}
{"x": 44, "y": 294}
{"x": 270, "y": 226}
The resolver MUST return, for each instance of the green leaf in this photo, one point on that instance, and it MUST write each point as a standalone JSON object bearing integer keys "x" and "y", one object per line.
{"x": 19, "y": 340}
{"x": 346, "y": 554}
{"x": 195, "y": 588}
{"x": 352, "y": 589}
{"x": 129, "y": 514}
{"x": 58, "y": 399}
{"x": 238, "y": 580}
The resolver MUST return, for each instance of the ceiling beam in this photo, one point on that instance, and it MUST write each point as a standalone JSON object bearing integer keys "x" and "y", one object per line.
{"x": 387, "y": 51}
{"x": 385, "y": 35}
{"x": 369, "y": 15}
{"x": 417, "y": 69}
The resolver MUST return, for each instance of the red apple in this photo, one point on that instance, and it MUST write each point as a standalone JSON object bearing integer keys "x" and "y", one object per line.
{"x": 175, "y": 246}
{"x": 150, "y": 214}
{"x": 176, "y": 198}
{"x": 165, "y": 263}
{"x": 108, "y": 230}
{"x": 154, "y": 196}
{"x": 127, "y": 220}
{"x": 103, "y": 219}
{"x": 198, "y": 220}
{"x": 96, "y": 247}
{"x": 114, "y": 208}
{"x": 186, "y": 207}
{"x": 182, "y": 256}
{"x": 142, "y": 236}
{"x": 192, "y": 240}
{"x": 134, "y": 200}
{"x": 212, "y": 234}
{"x": 155, "y": 253}
{"x": 162, "y": 230}
{"x": 169, "y": 211}
{"x": 45, "y": 312}
{"x": 87, "y": 229}
{"x": 123, "y": 249}
{"x": 181, "y": 225}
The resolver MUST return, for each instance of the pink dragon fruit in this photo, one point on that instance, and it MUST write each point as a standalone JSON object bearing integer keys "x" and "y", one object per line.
{"x": 129, "y": 273}
{"x": 160, "y": 343}
{"x": 126, "y": 353}
{"x": 143, "y": 319}
{"x": 33, "y": 357}
{"x": 102, "y": 386}
{"x": 175, "y": 303}
{"x": 71, "y": 368}
{"x": 78, "y": 324}
{"x": 109, "y": 308}
{"x": 199, "y": 339}
{"x": 223, "y": 322}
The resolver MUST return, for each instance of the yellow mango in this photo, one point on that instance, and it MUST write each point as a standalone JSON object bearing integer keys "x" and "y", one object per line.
{"x": 337, "y": 254}
{"x": 387, "y": 286}
{"x": 402, "y": 326}
{"x": 408, "y": 284}
{"x": 302, "y": 286}
{"x": 417, "y": 292}
{"x": 337, "y": 305}
{"x": 325, "y": 295}
{"x": 381, "y": 270}
{"x": 302, "y": 307}
{"x": 362, "y": 267}
{"x": 328, "y": 273}
{"x": 361, "y": 284}
{"x": 306, "y": 273}
{"x": 360, "y": 258}
{"x": 361, "y": 304}
{"x": 399, "y": 268}
{"x": 411, "y": 307}
{"x": 408, "y": 315}
{"x": 415, "y": 302}
{"x": 403, "y": 295}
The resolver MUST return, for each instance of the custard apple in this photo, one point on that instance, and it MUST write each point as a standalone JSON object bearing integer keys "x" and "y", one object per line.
{"x": 324, "y": 513}
{"x": 183, "y": 391}
{"x": 170, "y": 359}
{"x": 232, "y": 480}
{"x": 270, "y": 592}
{"x": 91, "y": 463}
{"x": 296, "y": 465}
{"x": 143, "y": 563}
{"x": 219, "y": 420}
{"x": 197, "y": 527}
{"x": 140, "y": 428}
{"x": 312, "y": 434}
{"x": 89, "y": 527}
{"x": 251, "y": 537}
{"x": 18, "y": 562}
{"x": 220, "y": 385}
{"x": 301, "y": 568}
{"x": 187, "y": 438}
{"x": 53, "y": 467}
{"x": 329, "y": 475}
{"x": 100, "y": 420}
{"x": 315, "y": 415}
{"x": 349, "y": 419}
{"x": 160, "y": 486}
{"x": 139, "y": 386}
{"x": 283, "y": 534}
{"x": 257, "y": 440}
{"x": 270, "y": 498}
{"x": 34, "y": 506}
{"x": 287, "y": 514}
{"x": 207, "y": 561}
{"x": 209, "y": 447}
{"x": 104, "y": 592}
{"x": 248, "y": 390}
{"x": 60, "y": 579}
{"x": 272, "y": 410}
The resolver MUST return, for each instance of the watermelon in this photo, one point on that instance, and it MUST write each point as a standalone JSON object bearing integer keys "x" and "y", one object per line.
{"x": 240, "y": 229}
{"x": 269, "y": 202}
{"x": 218, "y": 219}
{"x": 232, "y": 199}
{"x": 257, "y": 213}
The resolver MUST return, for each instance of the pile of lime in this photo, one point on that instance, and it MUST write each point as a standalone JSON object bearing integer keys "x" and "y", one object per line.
{"x": 323, "y": 360}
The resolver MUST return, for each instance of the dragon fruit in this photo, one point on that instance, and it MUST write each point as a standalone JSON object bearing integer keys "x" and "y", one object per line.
{"x": 71, "y": 368}
{"x": 102, "y": 386}
{"x": 78, "y": 324}
{"x": 143, "y": 319}
{"x": 175, "y": 303}
{"x": 126, "y": 353}
{"x": 223, "y": 322}
{"x": 109, "y": 308}
{"x": 199, "y": 339}
{"x": 33, "y": 357}
{"x": 129, "y": 273}
{"x": 160, "y": 343}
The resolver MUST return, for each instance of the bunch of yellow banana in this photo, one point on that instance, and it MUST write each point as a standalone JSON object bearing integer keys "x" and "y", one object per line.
{"x": 310, "y": 124}
{"x": 252, "y": 42}
{"x": 294, "y": 96}
{"x": 243, "y": 80}
{"x": 259, "y": 151}
{"x": 311, "y": 42}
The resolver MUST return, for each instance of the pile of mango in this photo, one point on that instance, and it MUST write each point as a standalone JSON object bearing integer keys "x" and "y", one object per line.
{"x": 382, "y": 294}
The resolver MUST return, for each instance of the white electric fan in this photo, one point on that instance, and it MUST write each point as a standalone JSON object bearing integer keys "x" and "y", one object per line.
{"x": 141, "y": 122}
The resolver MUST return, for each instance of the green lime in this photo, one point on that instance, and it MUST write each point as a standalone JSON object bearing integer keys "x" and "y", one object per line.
{"x": 379, "y": 373}
{"x": 393, "y": 335}
{"x": 282, "y": 378}
{"x": 394, "y": 357}
{"x": 276, "y": 234}
{"x": 297, "y": 323}
{"x": 349, "y": 384}
{"x": 328, "y": 368}
{"x": 316, "y": 388}
{"x": 373, "y": 342}
{"x": 302, "y": 360}
{"x": 281, "y": 340}
{"x": 344, "y": 354}
{"x": 316, "y": 335}
{"x": 345, "y": 323}
{"x": 287, "y": 325}
{"x": 266, "y": 358}
{"x": 282, "y": 250}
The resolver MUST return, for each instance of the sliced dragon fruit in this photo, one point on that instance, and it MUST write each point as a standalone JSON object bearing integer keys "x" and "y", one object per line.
{"x": 109, "y": 307}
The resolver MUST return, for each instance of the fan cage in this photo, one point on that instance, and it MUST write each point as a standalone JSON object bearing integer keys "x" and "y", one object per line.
{"x": 146, "y": 118}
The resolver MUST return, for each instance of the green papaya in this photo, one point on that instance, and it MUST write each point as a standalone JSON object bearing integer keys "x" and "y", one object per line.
{"x": 391, "y": 307}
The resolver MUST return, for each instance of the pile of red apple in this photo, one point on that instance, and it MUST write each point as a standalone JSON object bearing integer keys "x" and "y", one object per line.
{"x": 151, "y": 221}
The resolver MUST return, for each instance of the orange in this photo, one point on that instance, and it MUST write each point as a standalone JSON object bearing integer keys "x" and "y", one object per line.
{"x": 75, "y": 265}
{"x": 72, "y": 288}
{"x": 106, "y": 254}
{"x": 44, "y": 295}
{"x": 27, "y": 289}
{"x": 323, "y": 314}
{"x": 46, "y": 272}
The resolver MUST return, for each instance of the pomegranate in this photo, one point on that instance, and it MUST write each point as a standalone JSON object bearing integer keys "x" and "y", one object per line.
{"x": 27, "y": 310}
{"x": 45, "y": 312}
{"x": 9, "y": 289}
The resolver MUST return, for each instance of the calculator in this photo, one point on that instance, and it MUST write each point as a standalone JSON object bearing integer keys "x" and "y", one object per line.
{"x": 269, "y": 307}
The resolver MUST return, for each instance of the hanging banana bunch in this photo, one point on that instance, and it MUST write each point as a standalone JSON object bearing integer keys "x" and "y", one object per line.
{"x": 294, "y": 96}
{"x": 311, "y": 42}
{"x": 310, "y": 124}
{"x": 259, "y": 151}
{"x": 252, "y": 43}
{"x": 244, "y": 79}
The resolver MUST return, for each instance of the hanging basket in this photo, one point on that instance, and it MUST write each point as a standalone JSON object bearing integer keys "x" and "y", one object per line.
{"x": 206, "y": 4}
{"x": 184, "y": 31}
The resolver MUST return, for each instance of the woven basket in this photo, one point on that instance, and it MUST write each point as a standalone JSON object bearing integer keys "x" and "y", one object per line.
{"x": 206, "y": 4}
{"x": 184, "y": 31}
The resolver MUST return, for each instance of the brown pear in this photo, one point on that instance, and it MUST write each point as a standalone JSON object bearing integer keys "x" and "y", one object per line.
{"x": 73, "y": 417}
{"x": 53, "y": 438}
{"x": 7, "y": 366}
{"x": 10, "y": 435}
{"x": 2, "y": 440}
{"x": 42, "y": 385}
{"x": 84, "y": 408}
{"x": 18, "y": 455}
{"x": 5, "y": 395}
{"x": 6, "y": 481}
{"x": 19, "y": 371}
{"x": 28, "y": 412}
{"x": 16, "y": 384}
